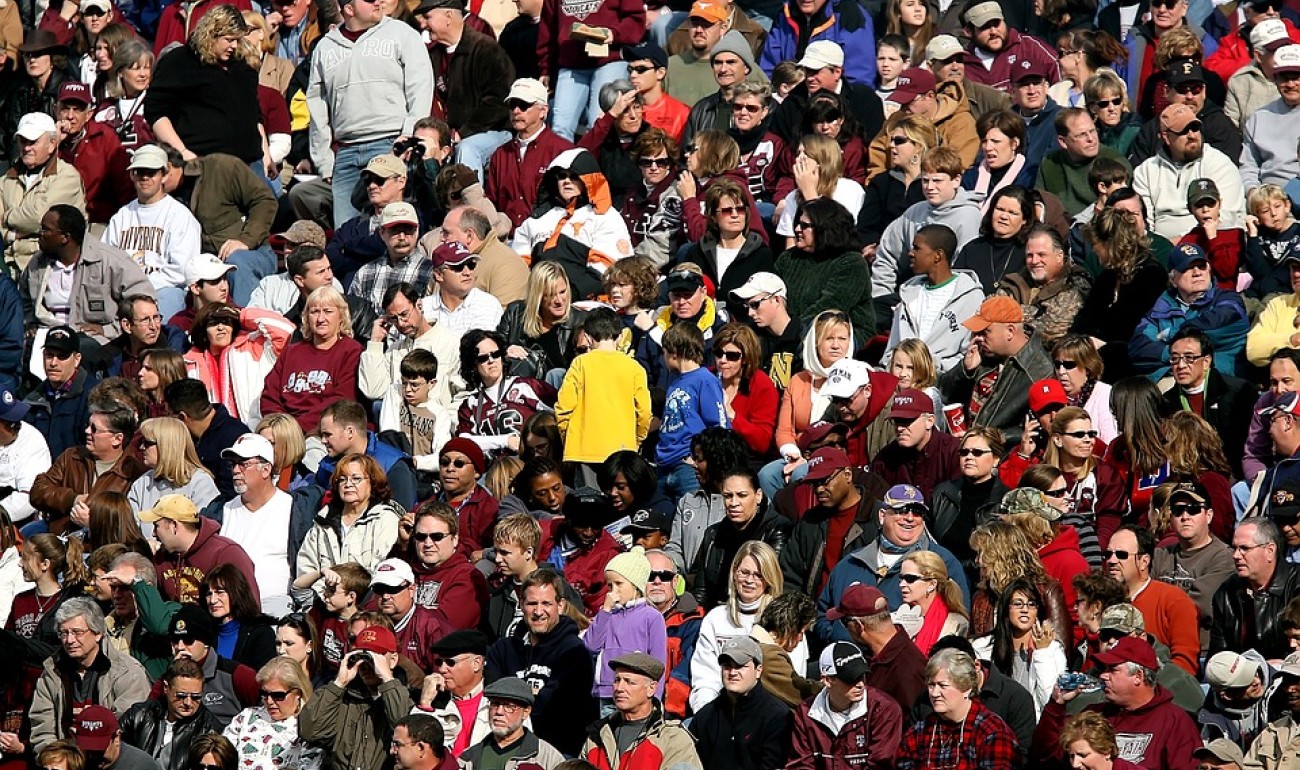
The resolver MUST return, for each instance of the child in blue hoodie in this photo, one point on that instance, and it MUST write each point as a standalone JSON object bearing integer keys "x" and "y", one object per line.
{"x": 695, "y": 402}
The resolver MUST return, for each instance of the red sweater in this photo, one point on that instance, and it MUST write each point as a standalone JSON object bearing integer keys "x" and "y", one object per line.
{"x": 512, "y": 182}
{"x": 557, "y": 49}
{"x": 478, "y": 517}
{"x": 1225, "y": 253}
{"x": 1063, "y": 560}
{"x": 755, "y": 407}
{"x": 305, "y": 380}
{"x": 456, "y": 587}
{"x": 1172, "y": 618}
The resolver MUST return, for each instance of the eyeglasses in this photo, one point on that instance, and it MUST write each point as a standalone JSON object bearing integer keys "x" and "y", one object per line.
{"x": 1057, "y": 493}
{"x": 145, "y": 173}
{"x": 1246, "y": 548}
{"x": 754, "y": 304}
{"x": 1068, "y": 52}
{"x": 1187, "y": 359}
{"x": 401, "y": 229}
{"x": 483, "y": 358}
{"x": 93, "y": 429}
{"x": 396, "y": 744}
{"x": 447, "y": 462}
{"x": 1066, "y": 365}
{"x": 662, "y": 575}
{"x": 415, "y": 384}
{"x": 969, "y": 452}
{"x": 1191, "y": 128}
{"x": 1189, "y": 88}
{"x": 655, "y": 163}
{"x": 354, "y": 481}
{"x": 57, "y": 355}
{"x": 899, "y": 141}
{"x": 206, "y": 766}
{"x": 436, "y": 537}
{"x": 370, "y": 179}
{"x": 730, "y": 355}
{"x": 752, "y": 109}
{"x": 1024, "y": 604}
{"x": 1103, "y": 104}
{"x": 910, "y": 579}
{"x": 276, "y": 695}
{"x": 504, "y": 705}
{"x": 149, "y": 319}
{"x": 519, "y": 104}
{"x": 641, "y": 69}
{"x": 801, "y": 224}
{"x": 1080, "y": 433}
{"x": 910, "y": 510}
{"x": 1178, "y": 510}
{"x": 188, "y": 696}
{"x": 728, "y": 211}
{"x": 688, "y": 149}
{"x": 73, "y": 633}
{"x": 449, "y": 662}
{"x": 1117, "y": 555}
{"x": 580, "y": 349}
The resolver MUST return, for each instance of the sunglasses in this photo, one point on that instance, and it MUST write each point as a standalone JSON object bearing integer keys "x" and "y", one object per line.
{"x": 730, "y": 355}
{"x": 688, "y": 149}
{"x": 801, "y": 225}
{"x": 967, "y": 452}
{"x": 899, "y": 141}
{"x": 580, "y": 349}
{"x": 1066, "y": 365}
{"x": 469, "y": 264}
{"x": 1186, "y": 509}
{"x": 754, "y": 304}
{"x": 1193, "y": 127}
{"x": 58, "y": 355}
{"x": 204, "y": 766}
{"x": 383, "y": 590}
{"x": 1058, "y": 493}
{"x": 728, "y": 211}
{"x": 752, "y": 109}
{"x": 641, "y": 69}
{"x": 1119, "y": 555}
{"x": 655, "y": 163}
{"x": 276, "y": 695}
{"x": 662, "y": 575}
{"x": 910, "y": 579}
{"x": 1189, "y": 88}
{"x": 518, "y": 104}
{"x": 370, "y": 179}
{"x": 436, "y": 537}
{"x": 146, "y": 443}
{"x": 483, "y": 358}
{"x": 447, "y": 462}
{"x": 1080, "y": 433}
{"x": 194, "y": 697}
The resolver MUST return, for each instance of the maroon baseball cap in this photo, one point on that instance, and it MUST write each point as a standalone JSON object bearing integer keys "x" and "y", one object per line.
{"x": 1129, "y": 649}
{"x": 95, "y": 728}
{"x": 859, "y": 601}
{"x": 450, "y": 253}
{"x": 818, "y": 431}
{"x": 910, "y": 403}
{"x": 75, "y": 92}
{"x": 825, "y": 462}
{"x": 912, "y": 83}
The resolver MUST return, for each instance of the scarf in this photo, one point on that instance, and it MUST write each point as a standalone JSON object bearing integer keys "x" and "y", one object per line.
{"x": 748, "y": 140}
{"x": 984, "y": 179}
{"x": 932, "y": 627}
{"x": 1085, "y": 392}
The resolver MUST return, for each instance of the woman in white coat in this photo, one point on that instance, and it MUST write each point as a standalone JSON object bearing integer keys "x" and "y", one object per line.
{"x": 1023, "y": 646}
{"x": 359, "y": 524}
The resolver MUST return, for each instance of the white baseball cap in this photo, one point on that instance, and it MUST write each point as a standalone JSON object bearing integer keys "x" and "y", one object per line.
{"x": 765, "y": 284}
{"x": 845, "y": 377}
{"x": 206, "y": 267}
{"x": 34, "y": 125}
{"x": 821, "y": 54}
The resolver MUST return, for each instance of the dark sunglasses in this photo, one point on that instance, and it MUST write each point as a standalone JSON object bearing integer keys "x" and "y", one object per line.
{"x": 1102, "y": 104}
{"x": 1186, "y": 509}
{"x": 518, "y": 104}
{"x": 389, "y": 590}
{"x": 1194, "y": 126}
{"x": 370, "y": 179}
{"x": 446, "y": 462}
{"x": 94, "y": 12}
{"x": 1119, "y": 555}
{"x": 752, "y": 109}
{"x": 436, "y": 537}
{"x": 662, "y": 575}
{"x": 899, "y": 141}
{"x": 688, "y": 149}
{"x": 580, "y": 349}
{"x": 146, "y": 443}
{"x": 968, "y": 452}
{"x": 1066, "y": 365}
{"x": 206, "y": 766}
{"x": 1109, "y": 635}
{"x": 469, "y": 264}
{"x": 730, "y": 355}
{"x": 655, "y": 163}
{"x": 910, "y": 579}
{"x": 730, "y": 210}
{"x": 194, "y": 697}
{"x": 483, "y": 358}
{"x": 1189, "y": 88}
{"x": 1058, "y": 493}
{"x": 276, "y": 695}
{"x": 1080, "y": 433}
{"x": 641, "y": 69}
{"x": 57, "y": 355}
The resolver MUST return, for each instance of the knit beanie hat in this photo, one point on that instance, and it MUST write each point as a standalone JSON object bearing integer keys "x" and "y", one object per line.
{"x": 633, "y": 566}
{"x": 734, "y": 42}
{"x": 467, "y": 448}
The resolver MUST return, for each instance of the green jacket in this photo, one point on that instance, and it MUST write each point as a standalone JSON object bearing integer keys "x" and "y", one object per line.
{"x": 229, "y": 201}
{"x": 351, "y": 726}
{"x": 1067, "y": 179}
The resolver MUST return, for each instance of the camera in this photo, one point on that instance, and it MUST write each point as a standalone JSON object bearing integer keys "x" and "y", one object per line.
{"x": 411, "y": 144}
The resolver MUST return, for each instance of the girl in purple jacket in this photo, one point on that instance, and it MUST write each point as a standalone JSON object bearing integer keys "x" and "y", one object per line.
{"x": 626, "y": 623}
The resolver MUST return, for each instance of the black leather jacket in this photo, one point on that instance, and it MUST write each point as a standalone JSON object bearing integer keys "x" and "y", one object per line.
{"x": 712, "y": 568}
{"x": 142, "y": 727}
{"x": 538, "y": 363}
{"x": 1242, "y": 621}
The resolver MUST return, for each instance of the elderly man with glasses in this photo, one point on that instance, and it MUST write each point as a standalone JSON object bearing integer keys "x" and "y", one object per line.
{"x": 509, "y": 704}
{"x": 1248, "y": 607}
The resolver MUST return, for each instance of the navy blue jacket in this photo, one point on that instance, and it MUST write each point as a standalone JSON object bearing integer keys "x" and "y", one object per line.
{"x": 221, "y": 434}
{"x": 11, "y": 335}
{"x": 395, "y": 462}
{"x": 62, "y": 416}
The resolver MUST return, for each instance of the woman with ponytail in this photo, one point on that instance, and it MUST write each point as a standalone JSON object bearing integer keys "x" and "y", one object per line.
{"x": 57, "y": 566}
{"x": 928, "y": 592}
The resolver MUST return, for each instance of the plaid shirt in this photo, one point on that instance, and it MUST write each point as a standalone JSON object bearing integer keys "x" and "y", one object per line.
{"x": 982, "y": 742}
{"x": 375, "y": 278}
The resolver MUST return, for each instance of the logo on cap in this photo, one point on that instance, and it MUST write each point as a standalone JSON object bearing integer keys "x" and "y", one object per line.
{"x": 1283, "y": 496}
{"x": 180, "y": 626}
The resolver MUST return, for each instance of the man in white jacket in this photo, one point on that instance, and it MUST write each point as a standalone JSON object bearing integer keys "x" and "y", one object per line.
{"x": 24, "y": 455}
{"x": 403, "y": 328}
{"x": 934, "y": 302}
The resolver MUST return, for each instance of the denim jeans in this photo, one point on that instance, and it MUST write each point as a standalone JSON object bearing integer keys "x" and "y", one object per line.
{"x": 677, "y": 480}
{"x": 254, "y": 265}
{"x": 171, "y": 300}
{"x": 475, "y": 150}
{"x": 664, "y": 26}
{"x": 349, "y": 160}
{"x": 771, "y": 477}
{"x": 578, "y": 92}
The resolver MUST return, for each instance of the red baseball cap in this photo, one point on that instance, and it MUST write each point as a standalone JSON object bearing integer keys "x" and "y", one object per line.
{"x": 376, "y": 639}
{"x": 1045, "y": 393}
{"x": 1129, "y": 649}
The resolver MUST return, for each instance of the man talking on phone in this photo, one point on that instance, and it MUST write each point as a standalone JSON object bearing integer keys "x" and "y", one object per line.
{"x": 356, "y": 714}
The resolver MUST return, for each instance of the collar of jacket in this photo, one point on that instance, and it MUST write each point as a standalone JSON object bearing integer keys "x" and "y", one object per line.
{"x": 705, "y": 320}
{"x": 654, "y": 724}
{"x": 51, "y": 168}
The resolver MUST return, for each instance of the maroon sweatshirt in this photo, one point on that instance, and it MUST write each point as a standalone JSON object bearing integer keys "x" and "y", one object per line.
{"x": 556, "y": 47}
{"x": 305, "y": 380}
{"x": 456, "y": 587}
{"x": 179, "y": 576}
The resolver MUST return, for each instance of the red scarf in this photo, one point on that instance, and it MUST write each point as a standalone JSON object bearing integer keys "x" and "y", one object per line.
{"x": 932, "y": 628}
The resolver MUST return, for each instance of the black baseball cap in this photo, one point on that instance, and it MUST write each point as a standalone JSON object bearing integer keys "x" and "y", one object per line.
{"x": 647, "y": 50}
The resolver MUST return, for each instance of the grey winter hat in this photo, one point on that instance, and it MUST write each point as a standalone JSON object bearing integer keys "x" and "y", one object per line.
{"x": 734, "y": 42}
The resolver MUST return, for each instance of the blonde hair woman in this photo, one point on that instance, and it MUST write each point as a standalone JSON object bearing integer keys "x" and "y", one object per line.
{"x": 267, "y": 735}
{"x": 290, "y": 447}
{"x": 755, "y": 581}
{"x": 913, "y": 365}
{"x": 818, "y": 173}
{"x": 928, "y": 591}
{"x": 1005, "y": 555}
{"x": 321, "y": 369}
{"x": 541, "y": 324}
{"x": 174, "y": 467}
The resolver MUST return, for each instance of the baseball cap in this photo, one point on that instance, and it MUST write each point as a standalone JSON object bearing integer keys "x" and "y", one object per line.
{"x": 1122, "y": 617}
{"x": 640, "y": 663}
{"x": 12, "y": 408}
{"x": 399, "y": 213}
{"x": 818, "y": 432}
{"x": 1177, "y": 117}
{"x": 900, "y": 497}
{"x": 709, "y": 11}
{"x": 193, "y": 622}
{"x": 844, "y": 661}
{"x": 387, "y": 166}
{"x": 859, "y": 601}
{"x": 765, "y": 284}
{"x": 648, "y": 50}
{"x": 73, "y": 91}
{"x": 528, "y": 90}
{"x": 943, "y": 48}
{"x": 1046, "y": 393}
{"x": 174, "y": 507}
{"x": 1230, "y": 669}
{"x": 510, "y": 688}
{"x": 149, "y": 156}
{"x": 1221, "y": 750}
{"x": 1030, "y": 68}
{"x": 94, "y": 728}
{"x": 995, "y": 310}
{"x": 910, "y": 403}
{"x": 911, "y": 83}
{"x": 983, "y": 13}
{"x": 1190, "y": 490}
{"x": 393, "y": 573}
{"x": 248, "y": 446}
{"x": 1184, "y": 71}
{"x": 304, "y": 231}
{"x": 206, "y": 267}
{"x": 821, "y": 54}
{"x": 1130, "y": 649}
{"x": 741, "y": 650}
{"x": 1269, "y": 35}
{"x": 432, "y": 5}
{"x": 826, "y": 462}
{"x": 1287, "y": 403}
{"x": 376, "y": 639}
{"x": 1286, "y": 59}
{"x": 845, "y": 377}
{"x": 34, "y": 125}
{"x": 63, "y": 340}
{"x": 683, "y": 280}
{"x": 1290, "y": 665}
{"x": 1202, "y": 189}
{"x": 103, "y": 5}
{"x": 450, "y": 253}
{"x": 648, "y": 520}
{"x": 1284, "y": 500}
{"x": 1028, "y": 500}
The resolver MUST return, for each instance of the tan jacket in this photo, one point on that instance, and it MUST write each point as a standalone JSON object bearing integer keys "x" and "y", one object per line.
{"x": 1277, "y": 748}
{"x": 952, "y": 118}
{"x": 21, "y": 208}
{"x": 103, "y": 276}
{"x": 501, "y": 272}
{"x": 123, "y": 682}
{"x": 275, "y": 73}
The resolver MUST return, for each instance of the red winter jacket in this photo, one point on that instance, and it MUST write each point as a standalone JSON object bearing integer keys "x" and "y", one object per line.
{"x": 180, "y": 18}
{"x": 179, "y": 577}
{"x": 869, "y": 742}
{"x": 1063, "y": 560}
{"x": 65, "y": 29}
{"x": 584, "y": 568}
{"x": 556, "y": 47}
{"x": 1225, "y": 252}
{"x": 1157, "y": 736}
{"x": 456, "y": 587}
{"x": 477, "y": 515}
{"x": 513, "y": 183}
{"x": 755, "y": 407}
{"x": 1234, "y": 51}
{"x": 424, "y": 627}
{"x": 101, "y": 161}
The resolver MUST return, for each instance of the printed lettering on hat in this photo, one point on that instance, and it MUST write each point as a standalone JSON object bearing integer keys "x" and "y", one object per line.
{"x": 7, "y": 398}
{"x": 91, "y": 725}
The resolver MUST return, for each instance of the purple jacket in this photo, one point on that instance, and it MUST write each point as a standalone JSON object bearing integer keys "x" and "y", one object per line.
{"x": 1259, "y": 447}
{"x": 637, "y": 627}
